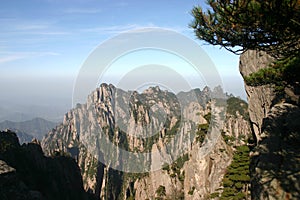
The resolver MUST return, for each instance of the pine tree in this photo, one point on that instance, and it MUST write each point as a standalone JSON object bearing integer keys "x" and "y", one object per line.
{"x": 236, "y": 180}
{"x": 238, "y": 25}
{"x": 272, "y": 26}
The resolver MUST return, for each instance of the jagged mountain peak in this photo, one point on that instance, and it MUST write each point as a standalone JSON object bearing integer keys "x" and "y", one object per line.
{"x": 152, "y": 89}
{"x": 136, "y": 125}
{"x": 206, "y": 89}
{"x": 155, "y": 92}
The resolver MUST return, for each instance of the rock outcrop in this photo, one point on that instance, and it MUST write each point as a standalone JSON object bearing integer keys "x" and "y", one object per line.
{"x": 260, "y": 98}
{"x": 275, "y": 162}
{"x": 156, "y": 148}
{"x": 25, "y": 173}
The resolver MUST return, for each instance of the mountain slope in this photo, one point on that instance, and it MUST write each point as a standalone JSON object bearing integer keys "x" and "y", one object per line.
{"x": 112, "y": 134}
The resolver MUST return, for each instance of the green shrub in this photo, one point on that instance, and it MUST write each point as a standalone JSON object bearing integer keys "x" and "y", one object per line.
{"x": 172, "y": 175}
{"x": 283, "y": 72}
{"x": 235, "y": 104}
{"x": 214, "y": 195}
{"x": 201, "y": 132}
{"x": 166, "y": 167}
{"x": 130, "y": 198}
{"x": 173, "y": 131}
{"x": 191, "y": 192}
{"x": 228, "y": 139}
{"x": 237, "y": 176}
{"x": 161, "y": 191}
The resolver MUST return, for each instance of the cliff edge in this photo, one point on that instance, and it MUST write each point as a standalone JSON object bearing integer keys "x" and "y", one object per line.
{"x": 275, "y": 157}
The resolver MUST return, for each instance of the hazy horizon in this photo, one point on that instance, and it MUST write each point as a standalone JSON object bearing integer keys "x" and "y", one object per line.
{"x": 44, "y": 45}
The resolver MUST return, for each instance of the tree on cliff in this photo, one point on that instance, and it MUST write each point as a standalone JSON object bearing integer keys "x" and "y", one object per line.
{"x": 238, "y": 25}
{"x": 272, "y": 26}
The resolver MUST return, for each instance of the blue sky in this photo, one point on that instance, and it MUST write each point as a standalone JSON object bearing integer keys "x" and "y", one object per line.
{"x": 43, "y": 43}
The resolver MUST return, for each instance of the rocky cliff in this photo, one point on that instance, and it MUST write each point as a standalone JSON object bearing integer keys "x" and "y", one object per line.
{"x": 275, "y": 162}
{"x": 25, "y": 173}
{"x": 149, "y": 145}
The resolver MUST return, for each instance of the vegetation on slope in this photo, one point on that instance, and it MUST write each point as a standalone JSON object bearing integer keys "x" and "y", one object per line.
{"x": 174, "y": 169}
{"x": 235, "y": 104}
{"x": 236, "y": 181}
{"x": 282, "y": 73}
{"x": 202, "y": 129}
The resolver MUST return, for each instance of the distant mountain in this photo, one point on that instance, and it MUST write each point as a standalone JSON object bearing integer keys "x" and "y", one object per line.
{"x": 23, "y": 137}
{"x": 26, "y": 130}
{"x": 24, "y": 112}
{"x": 7, "y": 113}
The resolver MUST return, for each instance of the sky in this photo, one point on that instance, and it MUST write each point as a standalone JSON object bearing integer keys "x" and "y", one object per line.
{"x": 44, "y": 44}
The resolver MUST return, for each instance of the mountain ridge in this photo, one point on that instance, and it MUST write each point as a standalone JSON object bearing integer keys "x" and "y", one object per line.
{"x": 125, "y": 118}
{"x": 29, "y": 129}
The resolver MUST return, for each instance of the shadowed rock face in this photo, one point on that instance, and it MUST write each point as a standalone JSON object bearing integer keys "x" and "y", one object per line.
{"x": 25, "y": 173}
{"x": 277, "y": 166}
{"x": 275, "y": 162}
{"x": 121, "y": 117}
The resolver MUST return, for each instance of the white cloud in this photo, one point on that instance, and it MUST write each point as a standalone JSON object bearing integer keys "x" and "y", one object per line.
{"x": 69, "y": 1}
{"x": 48, "y": 33}
{"x": 122, "y": 28}
{"x": 25, "y": 27}
{"x": 21, "y": 27}
{"x": 38, "y": 29}
{"x": 82, "y": 11}
{"x": 121, "y": 4}
{"x": 13, "y": 56}
{"x": 7, "y": 19}
{"x": 10, "y": 58}
{"x": 111, "y": 29}
{"x": 117, "y": 29}
{"x": 179, "y": 29}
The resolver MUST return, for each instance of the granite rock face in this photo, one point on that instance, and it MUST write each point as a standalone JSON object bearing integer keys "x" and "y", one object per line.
{"x": 179, "y": 165}
{"x": 260, "y": 98}
{"x": 275, "y": 163}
